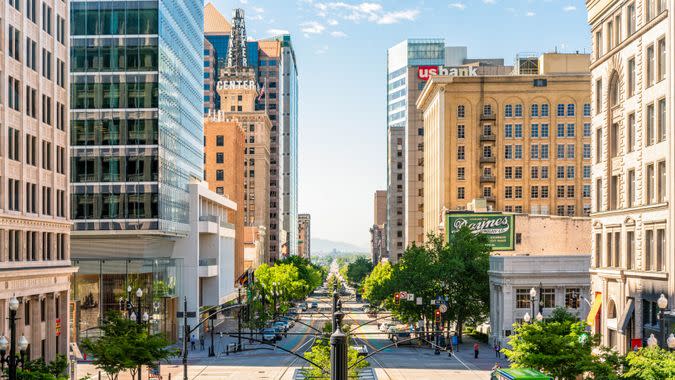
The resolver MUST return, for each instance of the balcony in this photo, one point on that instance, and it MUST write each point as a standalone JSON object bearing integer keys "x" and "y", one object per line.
{"x": 489, "y": 116}
{"x": 488, "y": 138}
{"x": 208, "y": 267}
{"x": 487, "y": 178}
{"x": 490, "y": 198}
{"x": 208, "y": 224}
{"x": 488, "y": 160}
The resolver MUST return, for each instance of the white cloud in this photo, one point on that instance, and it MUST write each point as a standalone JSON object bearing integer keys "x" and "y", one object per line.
{"x": 489, "y": 1}
{"x": 256, "y": 17}
{"x": 395, "y": 17}
{"x": 312, "y": 27}
{"x": 530, "y": 14}
{"x": 258, "y": 9}
{"x": 276, "y": 32}
{"x": 363, "y": 11}
{"x": 570, "y": 8}
{"x": 338, "y": 34}
{"x": 243, "y": 1}
{"x": 460, "y": 6}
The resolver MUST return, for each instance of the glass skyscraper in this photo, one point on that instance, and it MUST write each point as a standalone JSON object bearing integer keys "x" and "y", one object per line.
{"x": 136, "y": 113}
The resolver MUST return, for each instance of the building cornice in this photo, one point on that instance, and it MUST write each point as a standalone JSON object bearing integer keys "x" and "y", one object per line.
{"x": 632, "y": 210}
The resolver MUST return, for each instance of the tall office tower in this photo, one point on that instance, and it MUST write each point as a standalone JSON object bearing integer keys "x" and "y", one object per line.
{"x": 237, "y": 93}
{"x": 378, "y": 242}
{"x": 632, "y": 90}
{"x": 520, "y": 142}
{"x": 305, "y": 236}
{"x": 34, "y": 223}
{"x": 278, "y": 76}
{"x": 395, "y": 193}
{"x": 137, "y": 141}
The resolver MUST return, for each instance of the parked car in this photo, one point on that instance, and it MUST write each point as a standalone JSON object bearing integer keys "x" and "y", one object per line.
{"x": 303, "y": 306}
{"x": 269, "y": 335}
{"x": 281, "y": 325}
{"x": 384, "y": 326}
{"x": 278, "y": 332}
{"x": 361, "y": 350}
{"x": 315, "y": 305}
{"x": 397, "y": 336}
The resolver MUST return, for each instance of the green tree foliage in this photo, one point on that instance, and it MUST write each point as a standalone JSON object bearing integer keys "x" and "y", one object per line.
{"x": 320, "y": 354}
{"x": 377, "y": 287}
{"x": 650, "y": 363}
{"x": 125, "y": 345}
{"x": 358, "y": 270}
{"x": 39, "y": 370}
{"x": 561, "y": 348}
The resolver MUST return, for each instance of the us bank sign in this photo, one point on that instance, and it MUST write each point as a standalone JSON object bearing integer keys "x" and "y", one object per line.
{"x": 500, "y": 229}
{"x": 425, "y": 72}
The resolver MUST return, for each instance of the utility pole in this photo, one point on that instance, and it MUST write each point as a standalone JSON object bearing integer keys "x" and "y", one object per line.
{"x": 338, "y": 343}
{"x": 239, "y": 321}
{"x": 186, "y": 333}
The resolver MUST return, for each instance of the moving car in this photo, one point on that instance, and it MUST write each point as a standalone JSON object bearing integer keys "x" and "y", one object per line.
{"x": 281, "y": 325}
{"x": 384, "y": 326}
{"x": 399, "y": 335}
{"x": 278, "y": 332}
{"x": 361, "y": 349}
{"x": 269, "y": 335}
{"x": 303, "y": 306}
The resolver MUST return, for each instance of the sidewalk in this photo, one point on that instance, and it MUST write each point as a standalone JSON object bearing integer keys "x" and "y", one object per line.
{"x": 486, "y": 355}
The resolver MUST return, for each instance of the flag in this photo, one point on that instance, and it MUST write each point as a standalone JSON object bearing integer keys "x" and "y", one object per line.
{"x": 262, "y": 93}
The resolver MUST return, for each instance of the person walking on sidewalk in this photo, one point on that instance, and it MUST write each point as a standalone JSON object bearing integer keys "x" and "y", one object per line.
{"x": 201, "y": 342}
{"x": 498, "y": 350}
{"x": 475, "y": 350}
{"x": 192, "y": 342}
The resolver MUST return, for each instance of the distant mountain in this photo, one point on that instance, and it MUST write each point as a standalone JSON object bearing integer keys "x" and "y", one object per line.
{"x": 324, "y": 246}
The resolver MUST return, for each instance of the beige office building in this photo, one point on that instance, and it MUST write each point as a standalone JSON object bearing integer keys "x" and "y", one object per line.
{"x": 34, "y": 218}
{"x": 521, "y": 141}
{"x": 305, "y": 235}
{"x": 632, "y": 263}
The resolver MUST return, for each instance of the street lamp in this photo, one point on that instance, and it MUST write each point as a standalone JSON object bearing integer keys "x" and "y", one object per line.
{"x": 651, "y": 342}
{"x": 671, "y": 342}
{"x": 540, "y": 317}
{"x": 533, "y": 296}
{"x": 527, "y": 318}
{"x": 663, "y": 304}
{"x": 136, "y": 313}
{"x": 12, "y": 360}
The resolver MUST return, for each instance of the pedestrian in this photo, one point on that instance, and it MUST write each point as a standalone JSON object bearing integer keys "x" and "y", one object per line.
{"x": 496, "y": 366}
{"x": 498, "y": 350}
{"x": 201, "y": 342}
{"x": 475, "y": 350}
{"x": 192, "y": 342}
{"x": 450, "y": 350}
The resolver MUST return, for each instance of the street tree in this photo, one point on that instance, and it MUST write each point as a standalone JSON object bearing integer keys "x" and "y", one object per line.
{"x": 463, "y": 264}
{"x": 650, "y": 363}
{"x": 38, "y": 369}
{"x": 358, "y": 270}
{"x": 125, "y": 345}
{"x": 377, "y": 287}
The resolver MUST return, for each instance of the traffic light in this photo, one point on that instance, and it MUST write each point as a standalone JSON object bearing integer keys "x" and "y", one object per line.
{"x": 437, "y": 315}
{"x": 397, "y": 297}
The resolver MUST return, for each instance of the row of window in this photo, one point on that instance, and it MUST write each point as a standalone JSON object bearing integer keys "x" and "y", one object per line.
{"x": 114, "y": 131}
{"x": 134, "y": 55}
{"x": 46, "y": 17}
{"x": 14, "y": 144}
{"x": 547, "y": 298}
{"x": 536, "y": 110}
{"x": 135, "y": 168}
{"x": 16, "y": 193}
{"x": 14, "y": 51}
{"x": 624, "y": 24}
{"x": 538, "y": 130}
{"x": 114, "y": 95}
{"x": 537, "y": 151}
{"x": 39, "y": 246}
{"x": 607, "y": 253}
{"x": 135, "y": 17}
{"x": 115, "y": 206}
{"x": 655, "y": 186}
{"x": 561, "y": 210}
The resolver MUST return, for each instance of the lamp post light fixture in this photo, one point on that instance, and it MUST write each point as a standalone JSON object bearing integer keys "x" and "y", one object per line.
{"x": 13, "y": 360}
{"x": 651, "y": 341}
{"x": 527, "y": 318}
{"x": 540, "y": 317}
{"x": 136, "y": 313}
{"x": 533, "y": 297}
{"x": 662, "y": 302}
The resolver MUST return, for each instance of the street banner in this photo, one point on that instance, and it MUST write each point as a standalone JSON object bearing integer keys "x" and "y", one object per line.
{"x": 500, "y": 229}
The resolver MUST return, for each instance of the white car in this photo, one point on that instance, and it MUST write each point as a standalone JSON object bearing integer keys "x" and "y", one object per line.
{"x": 384, "y": 326}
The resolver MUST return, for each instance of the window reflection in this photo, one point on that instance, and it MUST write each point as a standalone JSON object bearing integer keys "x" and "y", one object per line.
{"x": 114, "y": 132}
{"x": 137, "y": 168}
{"x": 115, "y": 206}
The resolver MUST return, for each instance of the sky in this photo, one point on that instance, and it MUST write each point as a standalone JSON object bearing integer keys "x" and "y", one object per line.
{"x": 341, "y": 51}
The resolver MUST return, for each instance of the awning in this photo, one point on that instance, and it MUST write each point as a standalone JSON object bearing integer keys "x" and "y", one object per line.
{"x": 626, "y": 316}
{"x": 597, "y": 302}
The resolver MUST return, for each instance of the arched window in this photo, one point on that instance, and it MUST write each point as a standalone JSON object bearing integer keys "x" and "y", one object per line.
{"x": 611, "y": 310}
{"x": 614, "y": 90}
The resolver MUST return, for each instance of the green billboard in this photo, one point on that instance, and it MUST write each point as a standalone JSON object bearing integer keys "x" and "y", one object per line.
{"x": 500, "y": 229}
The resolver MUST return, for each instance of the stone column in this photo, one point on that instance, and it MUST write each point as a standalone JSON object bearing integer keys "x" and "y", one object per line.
{"x": 35, "y": 337}
{"x": 50, "y": 328}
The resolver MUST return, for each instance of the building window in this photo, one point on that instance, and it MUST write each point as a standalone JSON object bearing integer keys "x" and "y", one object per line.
{"x": 519, "y": 172}
{"x": 534, "y": 130}
{"x": 518, "y": 131}
{"x": 544, "y": 151}
{"x": 508, "y": 192}
{"x": 661, "y": 70}
{"x": 547, "y": 297}
{"x": 522, "y": 298}
{"x": 220, "y": 140}
{"x": 487, "y": 191}
{"x": 14, "y": 190}
{"x": 650, "y": 184}
{"x": 587, "y": 109}
{"x": 544, "y": 192}
{"x": 586, "y": 191}
{"x": 630, "y": 133}
{"x": 519, "y": 192}
{"x": 561, "y": 130}
{"x": 518, "y": 152}
{"x": 570, "y": 172}
{"x": 508, "y": 110}
{"x": 220, "y": 175}
{"x": 534, "y": 192}
{"x": 220, "y": 158}
{"x": 460, "y": 111}
{"x": 534, "y": 151}
{"x": 598, "y": 43}
{"x": 561, "y": 110}
{"x": 460, "y": 193}
{"x": 544, "y": 110}
{"x": 570, "y": 110}
{"x": 598, "y": 145}
{"x": 650, "y": 124}
{"x": 650, "y": 65}
{"x": 630, "y": 194}
{"x": 534, "y": 110}
{"x": 598, "y": 195}
{"x": 508, "y": 152}
{"x": 460, "y": 152}
{"x": 587, "y": 151}
{"x": 598, "y": 96}
{"x": 518, "y": 110}
{"x": 460, "y": 173}
{"x": 661, "y": 133}
{"x": 630, "y": 249}
{"x": 460, "y": 131}
{"x": 508, "y": 130}
{"x": 631, "y": 77}
{"x": 572, "y": 298}
{"x": 561, "y": 151}
{"x": 631, "y": 19}
{"x": 508, "y": 172}
{"x": 534, "y": 172}
{"x": 560, "y": 191}
{"x": 661, "y": 182}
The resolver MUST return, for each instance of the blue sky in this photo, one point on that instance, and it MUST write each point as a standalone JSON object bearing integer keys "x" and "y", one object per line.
{"x": 341, "y": 51}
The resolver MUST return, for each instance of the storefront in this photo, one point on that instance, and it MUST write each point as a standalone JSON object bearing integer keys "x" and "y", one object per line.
{"x": 100, "y": 286}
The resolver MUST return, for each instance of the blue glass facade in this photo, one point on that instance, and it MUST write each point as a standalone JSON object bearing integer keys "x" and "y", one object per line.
{"x": 136, "y": 113}
{"x": 220, "y": 45}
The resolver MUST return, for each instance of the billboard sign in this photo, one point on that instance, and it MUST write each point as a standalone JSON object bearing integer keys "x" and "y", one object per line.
{"x": 425, "y": 72}
{"x": 500, "y": 229}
